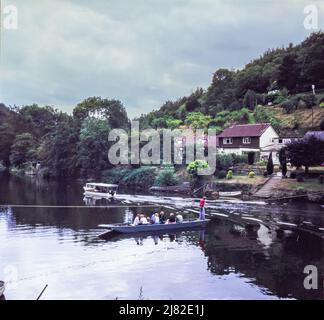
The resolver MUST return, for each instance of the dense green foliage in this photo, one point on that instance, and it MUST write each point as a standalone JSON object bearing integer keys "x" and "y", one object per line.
{"x": 276, "y": 77}
{"x": 307, "y": 152}
{"x": 64, "y": 145}
{"x": 166, "y": 177}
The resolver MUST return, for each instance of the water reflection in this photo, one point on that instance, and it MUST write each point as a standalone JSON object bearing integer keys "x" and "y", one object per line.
{"x": 60, "y": 247}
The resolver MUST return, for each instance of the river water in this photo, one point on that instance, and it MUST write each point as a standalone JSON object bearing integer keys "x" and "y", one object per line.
{"x": 60, "y": 247}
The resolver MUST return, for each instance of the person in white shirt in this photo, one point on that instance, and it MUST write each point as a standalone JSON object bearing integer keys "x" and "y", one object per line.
{"x": 143, "y": 219}
{"x": 179, "y": 218}
{"x": 136, "y": 220}
{"x": 156, "y": 219}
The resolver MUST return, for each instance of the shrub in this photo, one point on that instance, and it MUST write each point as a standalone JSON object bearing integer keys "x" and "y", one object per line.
{"x": 300, "y": 190}
{"x": 322, "y": 105}
{"x": 251, "y": 174}
{"x": 229, "y": 175}
{"x": 265, "y": 174}
{"x": 193, "y": 167}
{"x": 300, "y": 177}
{"x": 290, "y": 105}
{"x": 221, "y": 174}
{"x": 309, "y": 100}
{"x": 141, "y": 177}
{"x": 224, "y": 161}
{"x": 261, "y": 163}
{"x": 239, "y": 158}
{"x": 279, "y": 100}
{"x": 115, "y": 175}
{"x": 166, "y": 177}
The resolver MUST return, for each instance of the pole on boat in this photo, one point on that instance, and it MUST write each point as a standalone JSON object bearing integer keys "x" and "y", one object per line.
{"x": 42, "y": 292}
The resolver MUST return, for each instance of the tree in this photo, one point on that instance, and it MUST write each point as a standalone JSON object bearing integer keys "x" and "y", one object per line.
{"x": 250, "y": 100}
{"x": 197, "y": 120}
{"x": 270, "y": 165}
{"x": 92, "y": 149}
{"x": 97, "y": 107}
{"x": 192, "y": 104}
{"x": 58, "y": 151}
{"x": 23, "y": 149}
{"x": 307, "y": 152}
{"x": 283, "y": 161}
{"x": 288, "y": 72}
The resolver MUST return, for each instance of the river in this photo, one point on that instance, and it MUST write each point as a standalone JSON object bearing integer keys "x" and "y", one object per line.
{"x": 60, "y": 247}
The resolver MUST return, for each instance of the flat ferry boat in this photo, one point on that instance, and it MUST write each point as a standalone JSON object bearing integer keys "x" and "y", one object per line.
{"x": 129, "y": 228}
{"x": 100, "y": 190}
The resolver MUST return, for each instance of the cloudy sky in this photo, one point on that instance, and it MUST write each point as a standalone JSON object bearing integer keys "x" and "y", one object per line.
{"x": 142, "y": 52}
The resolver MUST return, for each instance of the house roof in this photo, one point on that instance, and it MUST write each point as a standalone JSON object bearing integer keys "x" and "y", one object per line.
{"x": 245, "y": 130}
{"x": 316, "y": 134}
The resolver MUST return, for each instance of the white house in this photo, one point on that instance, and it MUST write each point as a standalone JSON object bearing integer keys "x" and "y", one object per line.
{"x": 250, "y": 139}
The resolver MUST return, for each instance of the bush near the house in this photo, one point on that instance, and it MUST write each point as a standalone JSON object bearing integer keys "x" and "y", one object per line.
{"x": 322, "y": 105}
{"x": 221, "y": 174}
{"x": 251, "y": 175}
{"x": 300, "y": 190}
{"x": 115, "y": 175}
{"x": 166, "y": 177}
{"x": 142, "y": 177}
{"x": 229, "y": 175}
{"x": 261, "y": 163}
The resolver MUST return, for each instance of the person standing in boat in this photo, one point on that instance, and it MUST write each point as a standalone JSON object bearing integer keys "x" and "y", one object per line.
{"x": 202, "y": 204}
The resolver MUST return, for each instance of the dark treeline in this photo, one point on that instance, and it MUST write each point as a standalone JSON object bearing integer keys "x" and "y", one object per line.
{"x": 64, "y": 145}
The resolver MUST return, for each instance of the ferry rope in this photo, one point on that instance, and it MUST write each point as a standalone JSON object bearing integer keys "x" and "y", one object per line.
{"x": 75, "y": 207}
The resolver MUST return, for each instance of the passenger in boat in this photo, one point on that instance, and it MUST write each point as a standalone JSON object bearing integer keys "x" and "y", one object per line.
{"x": 172, "y": 219}
{"x": 153, "y": 217}
{"x": 136, "y": 220}
{"x": 143, "y": 219}
{"x": 162, "y": 217}
{"x": 156, "y": 219}
{"x": 179, "y": 218}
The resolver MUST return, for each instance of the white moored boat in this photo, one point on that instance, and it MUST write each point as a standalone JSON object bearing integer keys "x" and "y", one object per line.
{"x": 100, "y": 190}
{"x": 122, "y": 228}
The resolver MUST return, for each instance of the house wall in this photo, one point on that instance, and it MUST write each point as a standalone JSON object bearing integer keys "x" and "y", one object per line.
{"x": 268, "y": 137}
{"x": 238, "y": 151}
{"x": 238, "y": 143}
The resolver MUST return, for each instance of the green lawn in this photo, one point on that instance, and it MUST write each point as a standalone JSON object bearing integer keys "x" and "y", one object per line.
{"x": 307, "y": 185}
{"x": 243, "y": 180}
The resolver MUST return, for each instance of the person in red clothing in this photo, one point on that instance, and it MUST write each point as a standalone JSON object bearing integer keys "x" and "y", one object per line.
{"x": 202, "y": 208}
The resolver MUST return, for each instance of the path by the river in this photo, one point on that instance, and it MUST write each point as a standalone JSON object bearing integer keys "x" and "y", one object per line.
{"x": 267, "y": 189}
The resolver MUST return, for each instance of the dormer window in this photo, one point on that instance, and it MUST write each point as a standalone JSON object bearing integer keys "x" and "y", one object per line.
{"x": 246, "y": 140}
{"x": 228, "y": 140}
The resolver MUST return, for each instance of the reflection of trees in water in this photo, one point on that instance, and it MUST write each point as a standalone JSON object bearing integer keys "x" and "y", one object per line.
{"x": 279, "y": 267}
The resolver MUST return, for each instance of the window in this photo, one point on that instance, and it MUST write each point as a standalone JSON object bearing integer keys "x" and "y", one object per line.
{"x": 246, "y": 140}
{"x": 228, "y": 141}
{"x": 280, "y": 141}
